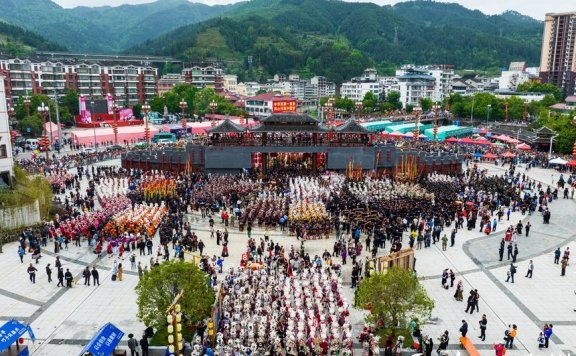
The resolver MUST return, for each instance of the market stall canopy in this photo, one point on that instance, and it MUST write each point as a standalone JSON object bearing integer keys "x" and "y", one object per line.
{"x": 11, "y": 331}
{"x": 572, "y": 163}
{"x": 508, "y": 154}
{"x": 489, "y": 156}
{"x": 524, "y": 147}
{"x": 513, "y": 141}
{"x": 452, "y": 140}
{"x": 558, "y": 161}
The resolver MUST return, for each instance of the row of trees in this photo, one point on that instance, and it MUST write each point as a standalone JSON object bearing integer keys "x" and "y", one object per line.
{"x": 29, "y": 121}
{"x": 198, "y": 101}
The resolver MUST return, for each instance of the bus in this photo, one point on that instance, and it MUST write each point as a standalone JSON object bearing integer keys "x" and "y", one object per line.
{"x": 164, "y": 137}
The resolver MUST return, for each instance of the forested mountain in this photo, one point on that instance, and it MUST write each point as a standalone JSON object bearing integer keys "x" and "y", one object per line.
{"x": 309, "y": 35}
{"x": 15, "y": 41}
{"x": 105, "y": 29}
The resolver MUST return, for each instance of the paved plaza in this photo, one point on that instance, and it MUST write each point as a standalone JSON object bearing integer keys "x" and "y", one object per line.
{"x": 65, "y": 319}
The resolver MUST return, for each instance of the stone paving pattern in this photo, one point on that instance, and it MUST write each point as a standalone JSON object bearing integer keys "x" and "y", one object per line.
{"x": 65, "y": 319}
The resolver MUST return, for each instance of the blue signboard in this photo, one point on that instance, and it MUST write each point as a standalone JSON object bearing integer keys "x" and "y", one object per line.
{"x": 11, "y": 331}
{"x": 104, "y": 342}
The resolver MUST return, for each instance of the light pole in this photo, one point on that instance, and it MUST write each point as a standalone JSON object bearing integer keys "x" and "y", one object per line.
{"x": 27, "y": 104}
{"x": 359, "y": 107}
{"x": 92, "y": 119}
{"x": 435, "y": 129}
{"x": 472, "y": 112}
{"x": 146, "y": 109}
{"x": 488, "y": 114}
{"x": 506, "y": 105}
{"x": 550, "y": 150}
{"x": 213, "y": 107}
{"x": 183, "y": 107}
{"x": 115, "y": 110}
{"x": 57, "y": 118}
{"x": 43, "y": 111}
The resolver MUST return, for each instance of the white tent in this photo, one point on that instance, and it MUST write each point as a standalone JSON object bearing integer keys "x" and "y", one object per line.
{"x": 557, "y": 161}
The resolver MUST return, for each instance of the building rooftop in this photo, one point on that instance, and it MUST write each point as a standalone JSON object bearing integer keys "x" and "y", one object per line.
{"x": 271, "y": 96}
{"x": 226, "y": 126}
{"x": 351, "y": 126}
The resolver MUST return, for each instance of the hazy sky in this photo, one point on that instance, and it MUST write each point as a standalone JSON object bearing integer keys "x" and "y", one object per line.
{"x": 534, "y": 8}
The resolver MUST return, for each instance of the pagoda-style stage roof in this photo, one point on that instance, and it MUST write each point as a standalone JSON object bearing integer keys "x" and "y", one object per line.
{"x": 226, "y": 127}
{"x": 351, "y": 127}
{"x": 290, "y": 122}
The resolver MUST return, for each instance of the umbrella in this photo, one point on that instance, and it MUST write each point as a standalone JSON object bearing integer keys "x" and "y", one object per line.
{"x": 489, "y": 156}
{"x": 508, "y": 154}
{"x": 572, "y": 163}
{"x": 467, "y": 140}
{"x": 524, "y": 147}
{"x": 557, "y": 161}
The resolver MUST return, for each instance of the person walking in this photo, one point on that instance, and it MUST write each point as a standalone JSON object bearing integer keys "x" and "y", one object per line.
{"x": 510, "y": 251}
{"x": 140, "y": 271}
{"x": 60, "y": 277}
{"x": 68, "y": 277}
{"x": 21, "y": 253}
{"x": 464, "y": 328}
{"x": 530, "y": 269}
{"x": 501, "y": 249}
{"x": 557, "y": 255}
{"x": 515, "y": 253}
{"x": 444, "y": 242}
{"x": 444, "y": 340}
{"x": 499, "y": 348}
{"x": 527, "y": 228}
{"x": 429, "y": 346}
{"x": 470, "y": 303}
{"x": 483, "y": 323}
{"x": 120, "y": 271}
{"x": 95, "y": 276}
{"x": 132, "y": 345}
{"x": 133, "y": 261}
{"x": 144, "y": 345}
{"x": 86, "y": 274}
{"x": 49, "y": 272}
{"x": 564, "y": 263}
{"x": 511, "y": 336}
{"x": 547, "y": 334}
{"x": 32, "y": 273}
{"x": 511, "y": 272}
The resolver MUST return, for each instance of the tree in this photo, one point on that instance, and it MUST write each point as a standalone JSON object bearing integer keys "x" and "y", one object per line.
{"x": 426, "y": 104}
{"x": 34, "y": 123}
{"x": 409, "y": 108}
{"x": 393, "y": 98}
{"x": 137, "y": 110}
{"x": 536, "y": 87}
{"x": 70, "y": 100}
{"x": 370, "y": 101}
{"x": 394, "y": 297}
{"x": 157, "y": 289}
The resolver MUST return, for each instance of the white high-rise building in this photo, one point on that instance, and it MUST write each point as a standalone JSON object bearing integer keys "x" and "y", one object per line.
{"x": 443, "y": 75}
{"x": 6, "y": 158}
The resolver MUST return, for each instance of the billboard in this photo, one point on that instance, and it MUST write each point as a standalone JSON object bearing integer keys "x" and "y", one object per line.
{"x": 280, "y": 106}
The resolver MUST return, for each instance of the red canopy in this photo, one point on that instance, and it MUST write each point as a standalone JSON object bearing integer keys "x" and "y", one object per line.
{"x": 468, "y": 140}
{"x": 513, "y": 141}
{"x": 524, "y": 147}
{"x": 482, "y": 141}
{"x": 489, "y": 156}
{"x": 572, "y": 163}
{"x": 396, "y": 134}
{"x": 508, "y": 154}
{"x": 452, "y": 140}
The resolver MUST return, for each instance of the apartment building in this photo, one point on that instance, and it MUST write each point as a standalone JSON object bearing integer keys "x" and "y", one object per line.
{"x": 205, "y": 77}
{"x": 6, "y": 159}
{"x": 415, "y": 85}
{"x": 558, "y": 56}
{"x": 129, "y": 84}
{"x": 443, "y": 75}
{"x": 167, "y": 82}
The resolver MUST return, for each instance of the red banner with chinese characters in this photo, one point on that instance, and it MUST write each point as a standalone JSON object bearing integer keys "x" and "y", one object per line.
{"x": 280, "y": 106}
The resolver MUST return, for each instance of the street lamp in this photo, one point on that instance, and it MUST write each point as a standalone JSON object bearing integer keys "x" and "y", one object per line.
{"x": 488, "y": 114}
{"x": 472, "y": 112}
{"x": 506, "y": 105}
{"x": 146, "y": 109}
{"x": 183, "y": 107}
{"x": 416, "y": 132}
{"x": 92, "y": 119}
{"x": 213, "y": 107}
{"x": 115, "y": 110}
{"x": 329, "y": 105}
{"x": 359, "y": 107}
{"x": 435, "y": 128}
{"x": 43, "y": 111}
{"x": 27, "y": 104}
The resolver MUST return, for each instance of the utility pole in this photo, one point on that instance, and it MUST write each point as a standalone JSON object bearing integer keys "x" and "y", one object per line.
{"x": 58, "y": 118}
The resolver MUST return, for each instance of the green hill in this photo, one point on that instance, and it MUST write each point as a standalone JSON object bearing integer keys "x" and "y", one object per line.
{"x": 15, "y": 41}
{"x": 105, "y": 29}
{"x": 336, "y": 38}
